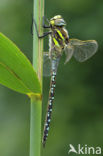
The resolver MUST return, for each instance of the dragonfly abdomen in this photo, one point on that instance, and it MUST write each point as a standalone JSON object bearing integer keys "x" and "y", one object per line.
{"x": 50, "y": 105}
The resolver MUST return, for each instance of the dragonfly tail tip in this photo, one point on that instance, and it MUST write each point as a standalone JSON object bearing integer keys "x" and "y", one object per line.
{"x": 43, "y": 142}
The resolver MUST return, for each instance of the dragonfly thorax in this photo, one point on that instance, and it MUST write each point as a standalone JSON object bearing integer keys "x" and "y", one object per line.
{"x": 58, "y": 40}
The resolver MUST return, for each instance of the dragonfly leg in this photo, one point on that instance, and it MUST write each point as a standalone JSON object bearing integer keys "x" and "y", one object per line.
{"x": 43, "y": 23}
{"x": 44, "y": 34}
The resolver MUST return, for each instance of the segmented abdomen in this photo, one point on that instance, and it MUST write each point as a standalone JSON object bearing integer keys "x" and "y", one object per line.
{"x": 50, "y": 105}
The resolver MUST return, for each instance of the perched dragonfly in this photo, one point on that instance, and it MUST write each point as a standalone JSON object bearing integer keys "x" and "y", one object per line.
{"x": 60, "y": 42}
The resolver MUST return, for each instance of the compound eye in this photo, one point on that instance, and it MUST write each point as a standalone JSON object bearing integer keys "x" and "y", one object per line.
{"x": 59, "y": 16}
{"x": 55, "y": 17}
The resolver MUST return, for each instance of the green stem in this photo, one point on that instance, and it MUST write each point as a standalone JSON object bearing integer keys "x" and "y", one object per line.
{"x": 36, "y": 103}
{"x": 35, "y": 128}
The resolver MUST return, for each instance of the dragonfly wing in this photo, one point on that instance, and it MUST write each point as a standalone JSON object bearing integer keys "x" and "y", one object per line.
{"x": 83, "y": 50}
{"x": 46, "y": 64}
{"x": 68, "y": 52}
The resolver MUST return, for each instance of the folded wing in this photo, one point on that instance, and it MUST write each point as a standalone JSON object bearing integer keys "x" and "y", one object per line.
{"x": 46, "y": 64}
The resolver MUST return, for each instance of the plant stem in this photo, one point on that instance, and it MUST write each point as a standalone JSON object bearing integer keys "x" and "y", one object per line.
{"x": 36, "y": 103}
{"x": 35, "y": 128}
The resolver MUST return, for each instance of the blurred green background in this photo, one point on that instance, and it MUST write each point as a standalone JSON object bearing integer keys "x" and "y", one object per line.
{"x": 78, "y": 107}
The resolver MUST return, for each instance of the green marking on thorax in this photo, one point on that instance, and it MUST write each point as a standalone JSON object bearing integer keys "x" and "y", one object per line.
{"x": 60, "y": 34}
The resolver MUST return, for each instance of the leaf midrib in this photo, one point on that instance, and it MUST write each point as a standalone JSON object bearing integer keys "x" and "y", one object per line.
{"x": 15, "y": 75}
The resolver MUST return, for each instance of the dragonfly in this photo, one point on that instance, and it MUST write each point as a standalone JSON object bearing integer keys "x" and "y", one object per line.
{"x": 59, "y": 43}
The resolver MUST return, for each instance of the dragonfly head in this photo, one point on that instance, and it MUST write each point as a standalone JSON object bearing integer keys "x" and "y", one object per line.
{"x": 57, "y": 21}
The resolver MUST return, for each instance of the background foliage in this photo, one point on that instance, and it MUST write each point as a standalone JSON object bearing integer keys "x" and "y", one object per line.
{"x": 77, "y": 116}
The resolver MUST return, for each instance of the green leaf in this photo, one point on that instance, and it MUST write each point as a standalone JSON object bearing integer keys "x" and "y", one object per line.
{"x": 16, "y": 71}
